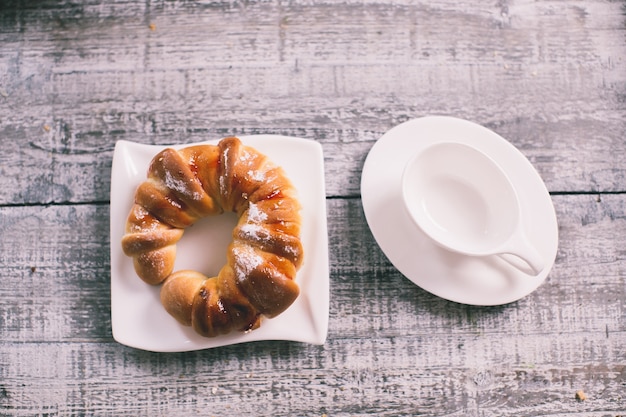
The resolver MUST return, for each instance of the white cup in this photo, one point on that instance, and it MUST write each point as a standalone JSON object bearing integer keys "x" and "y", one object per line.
{"x": 464, "y": 202}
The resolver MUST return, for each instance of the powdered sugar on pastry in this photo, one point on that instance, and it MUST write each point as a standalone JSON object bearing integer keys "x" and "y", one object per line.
{"x": 247, "y": 260}
{"x": 255, "y": 215}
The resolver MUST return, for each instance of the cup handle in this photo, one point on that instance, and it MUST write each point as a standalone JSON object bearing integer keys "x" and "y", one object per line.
{"x": 519, "y": 248}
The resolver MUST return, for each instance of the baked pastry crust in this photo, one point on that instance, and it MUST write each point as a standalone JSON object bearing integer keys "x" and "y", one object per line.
{"x": 189, "y": 184}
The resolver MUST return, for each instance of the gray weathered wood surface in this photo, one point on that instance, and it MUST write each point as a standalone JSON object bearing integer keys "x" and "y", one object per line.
{"x": 76, "y": 76}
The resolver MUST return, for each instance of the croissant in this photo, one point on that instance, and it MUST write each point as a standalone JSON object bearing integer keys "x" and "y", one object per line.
{"x": 263, "y": 258}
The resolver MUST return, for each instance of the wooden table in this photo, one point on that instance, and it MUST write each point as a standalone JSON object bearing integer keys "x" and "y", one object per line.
{"x": 76, "y": 76}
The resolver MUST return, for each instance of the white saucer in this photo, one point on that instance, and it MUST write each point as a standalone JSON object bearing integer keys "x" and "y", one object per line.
{"x": 468, "y": 280}
{"x": 139, "y": 320}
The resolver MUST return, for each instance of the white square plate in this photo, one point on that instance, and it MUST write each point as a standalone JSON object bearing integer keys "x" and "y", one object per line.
{"x": 139, "y": 320}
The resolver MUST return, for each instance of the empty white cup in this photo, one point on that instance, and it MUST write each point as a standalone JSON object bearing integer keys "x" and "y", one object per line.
{"x": 464, "y": 202}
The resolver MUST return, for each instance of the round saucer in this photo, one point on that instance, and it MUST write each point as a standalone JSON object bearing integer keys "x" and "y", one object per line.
{"x": 469, "y": 280}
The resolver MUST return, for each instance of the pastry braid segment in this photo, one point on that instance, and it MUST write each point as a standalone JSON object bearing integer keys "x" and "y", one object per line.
{"x": 262, "y": 260}
{"x": 212, "y": 306}
{"x": 151, "y": 244}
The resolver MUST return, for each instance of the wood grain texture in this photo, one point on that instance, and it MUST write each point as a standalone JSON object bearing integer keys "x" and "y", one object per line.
{"x": 76, "y": 76}
{"x": 393, "y": 349}
{"x": 548, "y": 76}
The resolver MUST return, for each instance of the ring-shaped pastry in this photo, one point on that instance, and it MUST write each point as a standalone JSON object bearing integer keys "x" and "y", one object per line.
{"x": 188, "y": 184}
